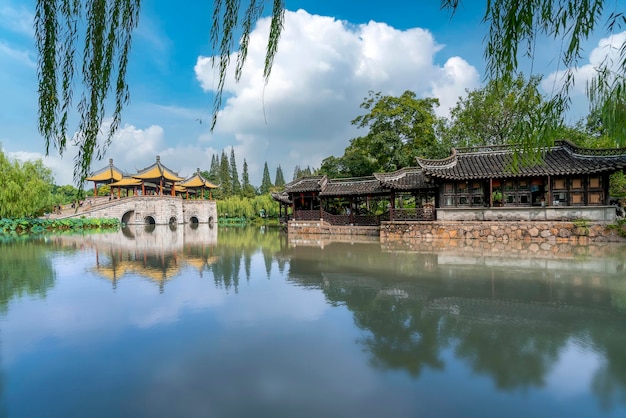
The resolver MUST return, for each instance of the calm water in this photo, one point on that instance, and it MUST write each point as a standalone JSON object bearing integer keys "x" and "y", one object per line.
{"x": 247, "y": 323}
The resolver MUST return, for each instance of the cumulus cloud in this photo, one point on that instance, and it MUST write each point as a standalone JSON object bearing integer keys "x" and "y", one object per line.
{"x": 606, "y": 52}
{"x": 323, "y": 70}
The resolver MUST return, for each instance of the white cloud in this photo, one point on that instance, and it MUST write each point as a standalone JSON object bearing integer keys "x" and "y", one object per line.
{"x": 607, "y": 51}
{"x": 16, "y": 56}
{"x": 18, "y": 20}
{"x": 323, "y": 70}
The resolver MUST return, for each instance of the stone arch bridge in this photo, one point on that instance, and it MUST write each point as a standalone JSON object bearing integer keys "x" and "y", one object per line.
{"x": 159, "y": 210}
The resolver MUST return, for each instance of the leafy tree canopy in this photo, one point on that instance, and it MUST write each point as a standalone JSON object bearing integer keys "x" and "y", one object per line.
{"x": 399, "y": 129}
{"x": 500, "y": 113}
{"x": 25, "y": 189}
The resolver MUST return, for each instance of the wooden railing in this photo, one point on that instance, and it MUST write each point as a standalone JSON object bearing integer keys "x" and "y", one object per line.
{"x": 307, "y": 215}
{"x": 413, "y": 214}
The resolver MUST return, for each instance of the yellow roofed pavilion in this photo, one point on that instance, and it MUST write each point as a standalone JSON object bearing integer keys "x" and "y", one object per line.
{"x": 158, "y": 173}
{"x": 106, "y": 175}
{"x": 198, "y": 182}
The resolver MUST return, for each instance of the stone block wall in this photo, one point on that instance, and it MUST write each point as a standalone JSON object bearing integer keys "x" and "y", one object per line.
{"x": 134, "y": 210}
{"x": 323, "y": 228}
{"x": 576, "y": 232}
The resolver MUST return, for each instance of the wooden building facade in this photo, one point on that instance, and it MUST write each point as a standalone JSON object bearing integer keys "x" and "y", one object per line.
{"x": 473, "y": 178}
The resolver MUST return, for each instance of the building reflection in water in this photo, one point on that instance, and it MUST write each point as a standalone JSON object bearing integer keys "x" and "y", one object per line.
{"x": 155, "y": 253}
{"x": 510, "y": 311}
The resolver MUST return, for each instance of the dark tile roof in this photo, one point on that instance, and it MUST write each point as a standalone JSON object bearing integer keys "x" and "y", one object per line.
{"x": 305, "y": 184}
{"x": 281, "y": 198}
{"x": 360, "y": 186}
{"x": 408, "y": 178}
{"x": 496, "y": 162}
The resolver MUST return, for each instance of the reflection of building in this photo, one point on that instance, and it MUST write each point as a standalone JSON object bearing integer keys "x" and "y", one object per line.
{"x": 155, "y": 253}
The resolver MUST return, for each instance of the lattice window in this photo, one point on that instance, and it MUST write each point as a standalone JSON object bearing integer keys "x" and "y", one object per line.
{"x": 559, "y": 183}
{"x": 595, "y": 182}
{"x": 577, "y": 183}
{"x": 595, "y": 198}
{"x": 577, "y": 199}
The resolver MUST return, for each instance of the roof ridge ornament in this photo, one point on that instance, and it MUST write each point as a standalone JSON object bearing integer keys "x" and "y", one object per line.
{"x": 447, "y": 162}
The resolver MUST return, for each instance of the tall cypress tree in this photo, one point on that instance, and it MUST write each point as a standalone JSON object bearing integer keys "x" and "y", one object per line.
{"x": 279, "y": 180}
{"x": 266, "y": 183}
{"x": 247, "y": 189}
{"x": 214, "y": 171}
{"x": 236, "y": 185}
{"x": 245, "y": 177}
{"x": 225, "y": 180}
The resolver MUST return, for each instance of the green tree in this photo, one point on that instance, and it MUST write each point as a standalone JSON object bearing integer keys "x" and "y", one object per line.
{"x": 497, "y": 114}
{"x": 64, "y": 194}
{"x": 266, "y": 182}
{"x": 25, "y": 189}
{"x": 225, "y": 180}
{"x": 234, "y": 175}
{"x": 279, "y": 180}
{"x": 399, "y": 129}
{"x": 247, "y": 188}
{"x": 214, "y": 170}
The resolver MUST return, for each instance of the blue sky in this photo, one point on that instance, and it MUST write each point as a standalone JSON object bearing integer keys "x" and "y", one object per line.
{"x": 330, "y": 55}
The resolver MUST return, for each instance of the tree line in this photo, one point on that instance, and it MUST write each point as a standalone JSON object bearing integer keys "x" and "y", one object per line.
{"x": 399, "y": 129}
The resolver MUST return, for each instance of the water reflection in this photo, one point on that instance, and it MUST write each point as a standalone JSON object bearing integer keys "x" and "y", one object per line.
{"x": 257, "y": 308}
{"x": 25, "y": 269}
{"x": 510, "y": 313}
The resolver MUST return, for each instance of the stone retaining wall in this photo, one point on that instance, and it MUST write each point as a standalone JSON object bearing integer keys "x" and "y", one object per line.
{"x": 577, "y": 232}
{"x": 323, "y": 228}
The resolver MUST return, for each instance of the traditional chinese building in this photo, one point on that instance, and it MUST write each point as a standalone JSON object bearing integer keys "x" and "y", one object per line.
{"x": 483, "y": 183}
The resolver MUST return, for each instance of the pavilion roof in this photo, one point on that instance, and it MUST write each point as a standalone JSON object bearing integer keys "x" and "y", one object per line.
{"x": 197, "y": 181}
{"x": 564, "y": 158}
{"x": 282, "y": 198}
{"x": 305, "y": 184}
{"x": 158, "y": 171}
{"x": 106, "y": 174}
{"x": 359, "y": 186}
{"x": 126, "y": 182}
{"x": 408, "y": 178}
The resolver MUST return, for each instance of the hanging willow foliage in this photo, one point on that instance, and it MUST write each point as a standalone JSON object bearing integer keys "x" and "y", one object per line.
{"x": 104, "y": 40}
{"x": 516, "y": 26}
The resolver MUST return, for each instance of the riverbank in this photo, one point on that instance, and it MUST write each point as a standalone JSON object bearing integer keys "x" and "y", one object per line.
{"x": 574, "y": 232}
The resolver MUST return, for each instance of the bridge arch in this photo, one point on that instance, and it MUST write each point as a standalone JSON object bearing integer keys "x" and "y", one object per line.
{"x": 128, "y": 217}
{"x": 149, "y": 220}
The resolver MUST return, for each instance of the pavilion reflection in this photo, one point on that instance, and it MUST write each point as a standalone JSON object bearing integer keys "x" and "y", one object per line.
{"x": 158, "y": 254}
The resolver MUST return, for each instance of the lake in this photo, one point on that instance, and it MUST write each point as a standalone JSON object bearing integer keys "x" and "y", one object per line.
{"x": 248, "y": 322}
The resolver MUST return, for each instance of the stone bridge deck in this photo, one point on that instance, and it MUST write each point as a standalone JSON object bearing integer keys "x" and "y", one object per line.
{"x": 159, "y": 210}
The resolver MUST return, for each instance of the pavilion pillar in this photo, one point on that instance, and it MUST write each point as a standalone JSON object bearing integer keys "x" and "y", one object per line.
{"x": 173, "y": 189}
{"x": 161, "y": 187}
{"x": 143, "y": 188}
{"x": 549, "y": 194}
{"x": 490, "y": 192}
{"x": 119, "y": 192}
{"x": 351, "y": 210}
{"x": 392, "y": 204}
{"x": 95, "y": 189}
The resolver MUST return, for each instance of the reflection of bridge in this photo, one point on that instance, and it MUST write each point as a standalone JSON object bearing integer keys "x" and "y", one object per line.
{"x": 160, "y": 210}
{"x": 157, "y": 253}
